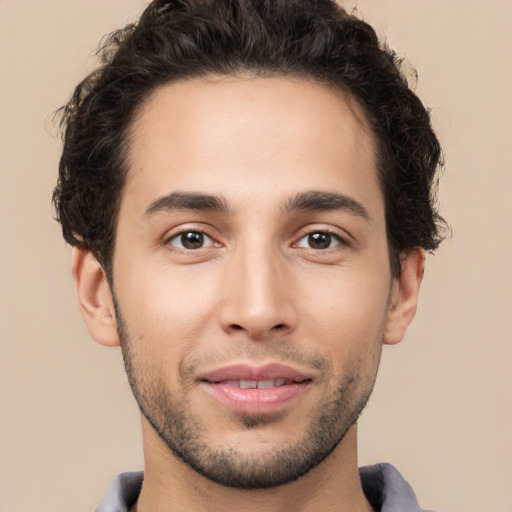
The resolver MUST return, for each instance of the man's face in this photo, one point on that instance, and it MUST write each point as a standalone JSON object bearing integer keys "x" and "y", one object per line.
{"x": 251, "y": 273}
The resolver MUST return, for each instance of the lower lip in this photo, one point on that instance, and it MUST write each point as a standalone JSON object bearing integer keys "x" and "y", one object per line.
{"x": 256, "y": 401}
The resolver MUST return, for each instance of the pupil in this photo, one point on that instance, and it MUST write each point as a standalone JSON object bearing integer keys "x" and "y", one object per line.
{"x": 319, "y": 240}
{"x": 192, "y": 240}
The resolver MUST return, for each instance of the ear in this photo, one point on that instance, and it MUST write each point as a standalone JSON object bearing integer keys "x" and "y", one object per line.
{"x": 404, "y": 296}
{"x": 94, "y": 297}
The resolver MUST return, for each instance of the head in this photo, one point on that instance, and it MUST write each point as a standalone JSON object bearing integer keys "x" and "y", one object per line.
{"x": 178, "y": 40}
{"x": 255, "y": 181}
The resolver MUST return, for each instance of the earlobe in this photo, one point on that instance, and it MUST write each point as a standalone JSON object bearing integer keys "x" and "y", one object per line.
{"x": 94, "y": 297}
{"x": 404, "y": 296}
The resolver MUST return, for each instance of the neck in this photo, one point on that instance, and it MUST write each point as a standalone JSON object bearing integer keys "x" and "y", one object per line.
{"x": 172, "y": 486}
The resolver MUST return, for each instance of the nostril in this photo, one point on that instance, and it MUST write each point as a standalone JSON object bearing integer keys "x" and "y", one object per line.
{"x": 257, "y": 331}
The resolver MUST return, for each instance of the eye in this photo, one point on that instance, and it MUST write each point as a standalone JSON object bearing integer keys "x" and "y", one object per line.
{"x": 319, "y": 240}
{"x": 191, "y": 240}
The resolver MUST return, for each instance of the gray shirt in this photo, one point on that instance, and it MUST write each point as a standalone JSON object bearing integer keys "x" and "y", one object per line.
{"x": 383, "y": 486}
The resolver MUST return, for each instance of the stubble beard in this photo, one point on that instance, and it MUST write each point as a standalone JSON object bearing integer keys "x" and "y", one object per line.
{"x": 185, "y": 437}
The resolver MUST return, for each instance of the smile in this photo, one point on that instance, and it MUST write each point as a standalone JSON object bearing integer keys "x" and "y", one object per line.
{"x": 252, "y": 390}
{"x": 255, "y": 384}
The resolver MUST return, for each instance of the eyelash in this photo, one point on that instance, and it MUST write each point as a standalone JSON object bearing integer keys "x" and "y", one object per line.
{"x": 341, "y": 241}
{"x": 186, "y": 250}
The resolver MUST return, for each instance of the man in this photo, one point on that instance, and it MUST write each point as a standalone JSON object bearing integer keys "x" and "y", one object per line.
{"x": 248, "y": 187}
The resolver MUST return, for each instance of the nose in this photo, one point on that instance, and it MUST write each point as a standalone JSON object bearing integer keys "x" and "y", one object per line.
{"x": 259, "y": 296}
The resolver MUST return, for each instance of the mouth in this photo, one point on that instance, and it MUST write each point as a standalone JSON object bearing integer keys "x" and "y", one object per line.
{"x": 258, "y": 384}
{"x": 256, "y": 390}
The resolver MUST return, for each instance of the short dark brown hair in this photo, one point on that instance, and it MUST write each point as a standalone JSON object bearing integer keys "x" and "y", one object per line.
{"x": 181, "y": 39}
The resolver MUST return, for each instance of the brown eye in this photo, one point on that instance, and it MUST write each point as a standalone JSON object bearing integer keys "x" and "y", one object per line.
{"x": 319, "y": 240}
{"x": 191, "y": 240}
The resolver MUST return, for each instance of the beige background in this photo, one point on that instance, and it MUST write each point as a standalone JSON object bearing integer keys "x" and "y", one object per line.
{"x": 442, "y": 409}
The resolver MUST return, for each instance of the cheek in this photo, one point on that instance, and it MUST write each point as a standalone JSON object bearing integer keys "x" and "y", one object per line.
{"x": 168, "y": 308}
{"x": 347, "y": 312}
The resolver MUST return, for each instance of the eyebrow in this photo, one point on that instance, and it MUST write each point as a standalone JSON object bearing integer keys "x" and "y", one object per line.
{"x": 325, "y": 201}
{"x": 187, "y": 201}
{"x": 303, "y": 201}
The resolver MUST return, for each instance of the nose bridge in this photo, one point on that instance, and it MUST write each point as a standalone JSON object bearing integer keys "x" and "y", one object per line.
{"x": 258, "y": 296}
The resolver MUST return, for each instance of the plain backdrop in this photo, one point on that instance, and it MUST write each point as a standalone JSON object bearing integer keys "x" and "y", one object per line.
{"x": 442, "y": 408}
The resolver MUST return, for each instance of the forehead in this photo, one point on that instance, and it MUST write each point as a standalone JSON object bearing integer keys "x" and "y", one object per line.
{"x": 243, "y": 137}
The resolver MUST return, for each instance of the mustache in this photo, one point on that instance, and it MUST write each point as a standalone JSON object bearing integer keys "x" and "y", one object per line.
{"x": 277, "y": 351}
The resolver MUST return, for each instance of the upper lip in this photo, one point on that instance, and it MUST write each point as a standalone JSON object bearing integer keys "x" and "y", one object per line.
{"x": 270, "y": 371}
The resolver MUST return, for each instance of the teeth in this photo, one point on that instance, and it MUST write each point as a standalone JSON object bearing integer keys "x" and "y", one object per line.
{"x": 248, "y": 384}
{"x": 255, "y": 384}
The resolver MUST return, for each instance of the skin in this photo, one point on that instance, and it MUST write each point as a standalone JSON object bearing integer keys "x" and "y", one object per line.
{"x": 256, "y": 292}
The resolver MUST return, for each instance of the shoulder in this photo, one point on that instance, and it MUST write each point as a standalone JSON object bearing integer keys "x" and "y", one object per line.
{"x": 386, "y": 489}
{"x": 122, "y": 493}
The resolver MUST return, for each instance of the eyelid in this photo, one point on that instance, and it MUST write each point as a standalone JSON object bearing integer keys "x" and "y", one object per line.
{"x": 179, "y": 231}
{"x": 344, "y": 238}
{"x": 334, "y": 237}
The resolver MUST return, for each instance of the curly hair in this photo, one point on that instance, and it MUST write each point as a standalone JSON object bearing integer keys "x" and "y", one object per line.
{"x": 182, "y": 39}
